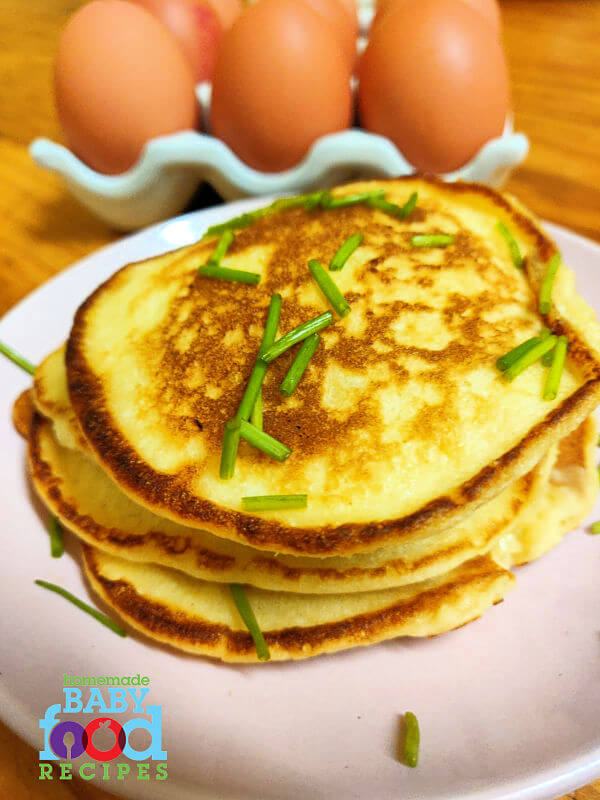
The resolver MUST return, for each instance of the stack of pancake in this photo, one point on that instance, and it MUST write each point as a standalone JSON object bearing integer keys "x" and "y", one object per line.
{"x": 428, "y": 475}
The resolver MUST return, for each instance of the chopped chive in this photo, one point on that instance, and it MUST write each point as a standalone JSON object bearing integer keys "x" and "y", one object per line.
{"x": 410, "y": 204}
{"x": 296, "y": 371}
{"x": 505, "y": 361}
{"x": 547, "y": 283}
{"x": 412, "y": 739}
{"x": 401, "y": 212}
{"x": 331, "y": 201}
{"x": 243, "y": 221}
{"x": 315, "y": 199}
{"x": 345, "y": 251}
{"x": 307, "y": 201}
{"x": 513, "y": 246}
{"x": 556, "y": 369}
{"x": 57, "y": 547}
{"x": 529, "y": 358}
{"x": 274, "y": 502}
{"x": 221, "y": 248}
{"x": 595, "y": 527}
{"x": 271, "y": 324}
{"x": 229, "y": 448}
{"x": 247, "y": 614}
{"x": 598, "y": 442}
{"x": 263, "y": 441}
{"x": 547, "y": 357}
{"x": 297, "y": 335}
{"x": 17, "y": 359}
{"x": 52, "y": 587}
{"x": 260, "y": 369}
{"x": 256, "y": 417}
{"x": 224, "y": 273}
{"x": 432, "y": 240}
{"x": 329, "y": 289}
{"x": 231, "y": 438}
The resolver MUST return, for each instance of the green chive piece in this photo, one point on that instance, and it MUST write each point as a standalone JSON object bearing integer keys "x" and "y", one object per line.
{"x": 231, "y": 439}
{"x": 595, "y": 527}
{"x": 410, "y": 204}
{"x": 556, "y": 369}
{"x": 17, "y": 359}
{"x": 224, "y": 273}
{"x": 547, "y": 283}
{"x": 221, "y": 248}
{"x": 329, "y": 201}
{"x": 57, "y": 547}
{"x": 307, "y": 201}
{"x": 529, "y": 358}
{"x": 297, "y": 335}
{"x": 345, "y": 251}
{"x": 235, "y": 223}
{"x": 263, "y": 441}
{"x": 401, "y": 212}
{"x": 52, "y": 587}
{"x": 296, "y": 371}
{"x": 512, "y": 243}
{"x": 256, "y": 417}
{"x": 229, "y": 448}
{"x": 508, "y": 359}
{"x": 329, "y": 289}
{"x": 247, "y": 614}
{"x": 412, "y": 739}
{"x": 274, "y": 502}
{"x": 505, "y": 361}
{"x": 313, "y": 200}
{"x": 260, "y": 368}
{"x": 598, "y": 442}
{"x": 432, "y": 240}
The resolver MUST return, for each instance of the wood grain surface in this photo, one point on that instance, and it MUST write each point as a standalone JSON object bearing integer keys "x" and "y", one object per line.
{"x": 553, "y": 50}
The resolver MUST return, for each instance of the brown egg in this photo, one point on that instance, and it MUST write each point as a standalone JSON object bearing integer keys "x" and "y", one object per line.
{"x": 489, "y": 10}
{"x": 433, "y": 79}
{"x": 281, "y": 81}
{"x": 344, "y": 25}
{"x": 197, "y": 28}
{"x": 227, "y": 11}
{"x": 120, "y": 80}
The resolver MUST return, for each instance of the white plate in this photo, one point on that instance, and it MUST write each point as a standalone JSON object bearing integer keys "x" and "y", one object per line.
{"x": 508, "y": 705}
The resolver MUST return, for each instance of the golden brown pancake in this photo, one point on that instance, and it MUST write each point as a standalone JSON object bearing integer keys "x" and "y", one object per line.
{"x": 401, "y": 425}
{"x": 89, "y": 503}
{"x": 200, "y": 617}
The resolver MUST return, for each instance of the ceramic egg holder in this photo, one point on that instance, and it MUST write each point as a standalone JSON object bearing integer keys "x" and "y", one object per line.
{"x": 171, "y": 167}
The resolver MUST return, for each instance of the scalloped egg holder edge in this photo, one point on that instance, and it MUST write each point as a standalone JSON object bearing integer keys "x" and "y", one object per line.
{"x": 171, "y": 167}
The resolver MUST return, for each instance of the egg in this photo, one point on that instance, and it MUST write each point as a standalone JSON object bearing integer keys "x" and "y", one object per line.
{"x": 489, "y": 10}
{"x": 434, "y": 80}
{"x": 196, "y": 27}
{"x": 351, "y": 8}
{"x": 120, "y": 80}
{"x": 344, "y": 25}
{"x": 281, "y": 81}
{"x": 227, "y": 11}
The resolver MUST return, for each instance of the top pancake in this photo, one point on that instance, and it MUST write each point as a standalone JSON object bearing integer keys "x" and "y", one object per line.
{"x": 401, "y": 423}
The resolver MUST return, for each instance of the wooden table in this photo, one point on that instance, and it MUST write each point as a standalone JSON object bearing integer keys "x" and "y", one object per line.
{"x": 554, "y": 54}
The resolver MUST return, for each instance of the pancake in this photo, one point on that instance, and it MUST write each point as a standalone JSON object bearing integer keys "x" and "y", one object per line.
{"x": 51, "y": 398}
{"x": 569, "y": 495}
{"x": 401, "y": 425}
{"x": 90, "y": 504}
{"x": 201, "y": 618}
